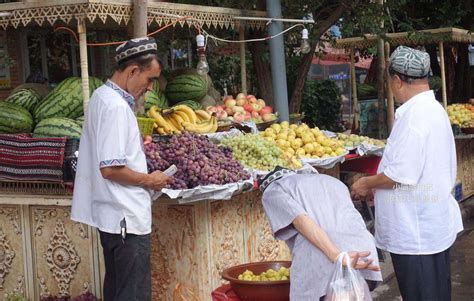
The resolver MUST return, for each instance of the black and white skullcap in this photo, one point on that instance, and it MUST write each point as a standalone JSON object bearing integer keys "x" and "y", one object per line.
{"x": 134, "y": 48}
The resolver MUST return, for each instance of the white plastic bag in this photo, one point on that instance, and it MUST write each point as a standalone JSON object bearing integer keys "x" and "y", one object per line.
{"x": 346, "y": 283}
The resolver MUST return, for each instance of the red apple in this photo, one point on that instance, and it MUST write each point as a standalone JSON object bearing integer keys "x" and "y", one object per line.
{"x": 248, "y": 107}
{"x": 228, "y": 97}
{"x": 230, "y": 102}
{"x": 255, "y": 114}
{"x": 248, "y": 116}
{"x": 221, "y": 115}
{"x": 236, "y": 109}
{"x": 252, "y": 100}
{"x": 256, "y": 107}
{"x": 266, "y": 109}
{"x": 220, "y": 108}
{"x": 239, "y": 117}
{"x": 268, "y": 117}
{"x": 229, "y": 111}
{"x": 211, "y": 109}
{"x": 261, "y": 102}
{"x": 241, "y": 101}
{"x": 240, "y": 95}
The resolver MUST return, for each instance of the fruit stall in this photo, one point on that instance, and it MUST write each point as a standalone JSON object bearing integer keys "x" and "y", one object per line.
{"x": 210, "y": 216}
{"x": 460, "y": 115}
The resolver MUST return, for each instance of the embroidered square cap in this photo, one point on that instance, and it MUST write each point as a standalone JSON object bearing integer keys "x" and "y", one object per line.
{"x": 134, "y": 48}
{"x": 410, "y": 62}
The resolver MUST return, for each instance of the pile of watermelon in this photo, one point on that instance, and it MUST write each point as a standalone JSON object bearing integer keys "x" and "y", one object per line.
{"x": 59, "y": 114}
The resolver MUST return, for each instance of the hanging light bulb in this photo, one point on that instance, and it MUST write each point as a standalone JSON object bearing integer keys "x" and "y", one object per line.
{"x": 305, "y": 47}
{"x": 202, "y": 66}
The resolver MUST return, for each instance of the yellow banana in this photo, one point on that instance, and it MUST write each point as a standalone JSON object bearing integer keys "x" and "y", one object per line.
{"x": 177, "y": 121}
{"x": 203, "y": 115}
{"x": 161, "y": 131}
{"x": 160, "y": 121}
{"x": 172, "y": 125}
{"x": 214, "y": 124}
{"x": 188, "y": 111}
{"x": 183, "y": 116}
{"x": 204, "y": 127}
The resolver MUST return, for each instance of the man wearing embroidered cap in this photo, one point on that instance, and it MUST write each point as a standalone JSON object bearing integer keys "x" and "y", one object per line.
{"x": 112, "y": 189}
{"x": 417, "y": 218}
{"x": 315, "y": 215}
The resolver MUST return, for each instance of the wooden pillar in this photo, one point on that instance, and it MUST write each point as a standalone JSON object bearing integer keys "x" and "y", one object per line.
{"x": 140, "y": 14}
{"x": 443, "y": 74}
{"x": 243, "y": 65}
{"x": 390, "y": 101}
{"x": 81, "y": 29}
{"x": 355, "y": 104}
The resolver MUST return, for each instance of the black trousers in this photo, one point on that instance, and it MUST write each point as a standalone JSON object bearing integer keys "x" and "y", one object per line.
{"x": 127, "y": 267}
{"x": 423, "y": 277}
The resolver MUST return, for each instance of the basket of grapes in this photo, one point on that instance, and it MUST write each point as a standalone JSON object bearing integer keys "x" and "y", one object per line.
{"x": 263, "y": 281}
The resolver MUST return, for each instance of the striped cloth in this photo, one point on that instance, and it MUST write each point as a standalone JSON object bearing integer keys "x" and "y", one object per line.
{"x": 23, "y": 158}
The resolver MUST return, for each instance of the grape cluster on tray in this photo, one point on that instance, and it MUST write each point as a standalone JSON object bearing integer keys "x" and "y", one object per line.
{"x": 199, "y": 161}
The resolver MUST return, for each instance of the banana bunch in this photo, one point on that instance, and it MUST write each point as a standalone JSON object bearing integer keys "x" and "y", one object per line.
{"x": 182, "y": 118}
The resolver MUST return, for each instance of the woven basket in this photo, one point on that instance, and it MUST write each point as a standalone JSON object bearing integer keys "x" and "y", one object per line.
{"x": 146, "y": 125}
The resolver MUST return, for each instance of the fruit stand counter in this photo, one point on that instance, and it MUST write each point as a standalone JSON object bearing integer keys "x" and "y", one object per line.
{"x": 465, "y": 161}
{"x": 42, "y": 252}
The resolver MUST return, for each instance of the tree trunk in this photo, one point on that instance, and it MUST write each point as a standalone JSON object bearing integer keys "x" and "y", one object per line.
{"x": 319, "y": 29}
{"x": 450, "y": 62}
{"x": 262, "y": 70}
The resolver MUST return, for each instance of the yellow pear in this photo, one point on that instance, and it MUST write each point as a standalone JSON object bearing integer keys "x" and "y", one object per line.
{"x": 300, "y": 152}
{"x": 293, "y": 126}
{"x": 275, "y": 127}
{"x": 285, "y": 124}
{"x": 309, "y": 148}
{"x": 296, "y": 143}
{"x": 307, "y": 139}
{"x": 282, "y": 136}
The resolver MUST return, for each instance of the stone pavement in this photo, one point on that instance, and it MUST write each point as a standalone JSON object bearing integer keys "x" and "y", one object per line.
{"x": 462, "y": 270}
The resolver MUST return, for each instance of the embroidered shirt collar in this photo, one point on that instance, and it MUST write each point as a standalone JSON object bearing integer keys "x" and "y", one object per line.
{"x": 125, "y": 95}
{"x": 407, "y": 105}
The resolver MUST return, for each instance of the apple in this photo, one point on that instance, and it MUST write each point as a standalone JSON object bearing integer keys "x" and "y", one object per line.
{"x": 266, "y": 109}
{"x": 241, "y": 101}
{"x": 257, "y": 120}
{"x": 268, "y": 117}
{"x": 256, "y": 107}
{"x": 229, "y": 111}
{"x": 248, "y": 107}
{"x": 261, "y": 102}
{"x": 255, "y": 114}
{"x": 252, "y": 100}
{"x": 220, "y": 108}
{"x": 221, "y": 115}
{"x": 239, "y": 117}
{"x": 240, "y": 95}
{"x": 248, "y": 116}
{"x": 211, "y": 109}
{"x": 236, "y": 109}
{"x": 230, "y": 102}
{"x": 228, "y": 97}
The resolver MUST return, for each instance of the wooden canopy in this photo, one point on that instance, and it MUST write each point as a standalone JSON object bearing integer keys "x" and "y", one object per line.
{"x": 17, "y": 14}
{"x": 421, "y": 37}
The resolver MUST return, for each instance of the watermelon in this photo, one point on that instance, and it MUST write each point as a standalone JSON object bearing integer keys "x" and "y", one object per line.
{"x": 186, "y": 87}
{"x": 57, "y": 127}
{"x": 155, "y": 99}
{"x": 41, "y": 89}
{"x": 14, "y": 119}
{"x": 192, "y": 104}
{"x": 80, "y": 120}
{"x": 65, "y": 100}
{"x": 27, "y": 98}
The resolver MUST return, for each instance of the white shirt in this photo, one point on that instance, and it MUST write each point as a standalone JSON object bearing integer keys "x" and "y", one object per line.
{"x": 420, "y": 216}
{"x": 110, "y": 137}
{"x": 327, "y": 201}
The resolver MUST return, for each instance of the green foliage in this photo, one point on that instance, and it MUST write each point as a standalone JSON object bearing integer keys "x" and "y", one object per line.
{"x": 321, "y": 105}
{"x": 435, "y": 83}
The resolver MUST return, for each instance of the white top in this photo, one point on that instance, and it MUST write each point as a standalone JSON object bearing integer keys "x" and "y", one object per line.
{"x": 327, "y": 201}
{"x": 420, "y": 216}
{"x": 110, "y": 137}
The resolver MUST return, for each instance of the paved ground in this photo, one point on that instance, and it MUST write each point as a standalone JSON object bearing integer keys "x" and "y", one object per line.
{"x": 462, "y": 267}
